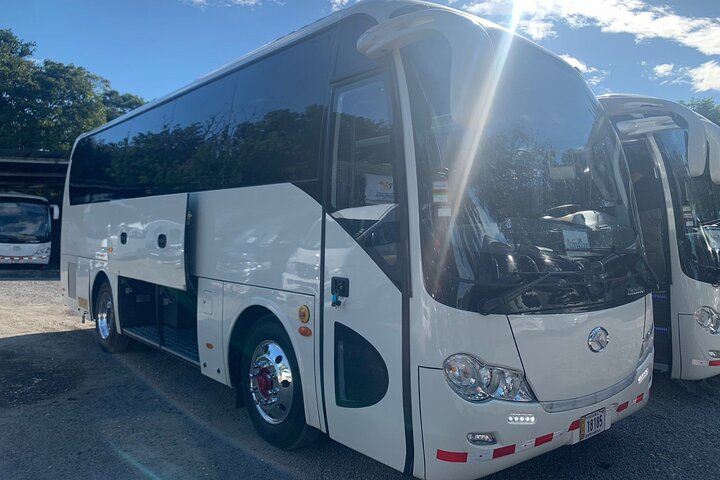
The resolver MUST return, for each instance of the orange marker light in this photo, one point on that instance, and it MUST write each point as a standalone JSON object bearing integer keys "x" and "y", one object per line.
{"x": 304, "y": 314}
{"x": 110, "y": 249}
{"x": 209, "y": 345}
{"x": 305, "y": 331}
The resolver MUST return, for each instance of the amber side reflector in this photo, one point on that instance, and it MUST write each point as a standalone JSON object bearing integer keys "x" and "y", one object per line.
{"x": 210, "y": 346}
{"x": 110, "y": 249}
{"x": 305, "y": 331}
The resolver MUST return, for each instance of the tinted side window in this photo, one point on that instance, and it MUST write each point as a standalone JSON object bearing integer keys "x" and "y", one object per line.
{"x": 147, "y": 152}
{"x": 349, "y": 60}
{"x": 199, "y": 143}
{"x": 277, "y": 116}
{"x": 108, "y": 161}
{"x": 81, "y": 172}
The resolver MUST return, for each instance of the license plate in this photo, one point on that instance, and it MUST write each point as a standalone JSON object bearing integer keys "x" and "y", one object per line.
{"x": 592, "y": 424}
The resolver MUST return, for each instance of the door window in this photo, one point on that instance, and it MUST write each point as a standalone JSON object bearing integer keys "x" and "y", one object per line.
{"x": 364, "y": 194}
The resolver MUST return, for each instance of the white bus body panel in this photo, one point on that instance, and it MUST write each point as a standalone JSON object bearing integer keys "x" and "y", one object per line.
{"x": 548, "y": 342}
{"x": 142, "y": 221}
{"x": 374, "y": 311}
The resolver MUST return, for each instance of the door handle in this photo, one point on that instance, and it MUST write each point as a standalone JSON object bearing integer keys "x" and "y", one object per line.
{"x": 339, "y": 288}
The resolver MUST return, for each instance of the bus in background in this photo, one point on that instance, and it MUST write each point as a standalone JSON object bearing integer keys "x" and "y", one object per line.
{"x": 26, "y": 229}
{"x": 376, "y": 227}
{"x": 674, "y": 158}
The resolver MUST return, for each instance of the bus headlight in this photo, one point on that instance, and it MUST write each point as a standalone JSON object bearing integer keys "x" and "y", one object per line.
{"x": 708, "y": 319}
{"x": 648, "y": 341}
{"x": 474, "y": 381}
{"x": 43, "y": 251}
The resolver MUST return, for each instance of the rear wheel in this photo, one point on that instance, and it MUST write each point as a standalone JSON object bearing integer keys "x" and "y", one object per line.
{"x": 104, "y": 315}
{"x": 271, "y": 386}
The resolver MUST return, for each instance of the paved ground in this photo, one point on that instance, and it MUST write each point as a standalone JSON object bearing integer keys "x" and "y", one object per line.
{"x": 67, "y": 410}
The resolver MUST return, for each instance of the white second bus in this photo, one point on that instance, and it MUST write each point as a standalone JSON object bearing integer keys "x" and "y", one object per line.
{"x": 402, "y": 226}
{"x": 674, "y": 158}
{"x": 26, "y": 229}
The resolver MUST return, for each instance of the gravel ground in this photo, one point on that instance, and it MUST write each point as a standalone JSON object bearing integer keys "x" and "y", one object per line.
{"x": 67, "y": 410}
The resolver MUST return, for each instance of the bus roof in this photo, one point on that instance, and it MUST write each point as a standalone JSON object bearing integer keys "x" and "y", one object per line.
{"x": 21, "y": 196}
{"x": 378, "y": 9}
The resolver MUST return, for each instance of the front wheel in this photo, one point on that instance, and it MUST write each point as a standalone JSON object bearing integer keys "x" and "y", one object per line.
{"x": 271, "y": 386}
{"x": 104, "y": 316}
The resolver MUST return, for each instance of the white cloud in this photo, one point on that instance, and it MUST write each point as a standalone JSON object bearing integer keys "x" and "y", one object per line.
{"x": 336, "y": 5}
{"x": 663, "y": 70}
{"x": 592, "y": 75}
{"x": 635, "y": 17}
{"x": 705, "y": 77}
{"x": 224, "y": 3}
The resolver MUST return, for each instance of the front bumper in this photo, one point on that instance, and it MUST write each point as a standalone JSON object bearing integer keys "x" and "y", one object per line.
{"x": 447, "y": 419}
{"x": 28, "y": 260}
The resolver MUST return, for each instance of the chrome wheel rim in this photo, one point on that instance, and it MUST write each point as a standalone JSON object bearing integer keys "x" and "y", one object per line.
{"x": 104, "y": 317}
{"x": 271, "y": 382}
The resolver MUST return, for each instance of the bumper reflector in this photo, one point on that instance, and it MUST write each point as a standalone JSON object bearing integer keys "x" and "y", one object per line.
{"x": 544, "y": 439}
{"x": 456, "y": 457}
{"x": 714, "y": 363}
{"x": 623, "y": 406}
{"x": 639, "y": 398}
{"x": 575, "y": 425}
{"x": 502, "y": 451}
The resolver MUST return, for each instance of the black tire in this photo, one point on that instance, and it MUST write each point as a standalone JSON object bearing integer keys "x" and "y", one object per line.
{"x": 291, "y": 431}
{"x": 103, "y": 304}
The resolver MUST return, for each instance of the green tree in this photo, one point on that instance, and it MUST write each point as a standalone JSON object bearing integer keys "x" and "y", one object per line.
{"x": 705, "y": 107}
{"x": 45, "y": 106}
{"x": 117, "y": 103}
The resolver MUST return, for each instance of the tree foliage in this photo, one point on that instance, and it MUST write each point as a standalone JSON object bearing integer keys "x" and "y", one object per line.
{"x": 705, "y": 107}
{"x": 45, "y": 106}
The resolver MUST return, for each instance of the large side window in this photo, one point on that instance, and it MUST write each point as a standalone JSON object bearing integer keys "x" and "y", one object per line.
{"x": 144, "y": 169}
{"x": 81, "y": 171}
{"x": 363, "y": 191}
{"x": 277, "y": 116}
{"x": 199, "y": 138}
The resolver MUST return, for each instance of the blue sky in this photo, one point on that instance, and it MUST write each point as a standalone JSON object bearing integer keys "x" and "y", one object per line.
{"x": 669, "y": 49}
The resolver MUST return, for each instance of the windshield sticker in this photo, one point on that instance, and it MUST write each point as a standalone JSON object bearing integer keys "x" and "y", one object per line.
{"x": 379, "y": 189}
{"x": 576, "y": 240}
{"x": 687, "y": 215}
{"x": 444, "y": 212}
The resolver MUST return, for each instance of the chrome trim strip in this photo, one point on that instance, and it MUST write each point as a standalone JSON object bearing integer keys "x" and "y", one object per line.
{"x": 580, "y": 402}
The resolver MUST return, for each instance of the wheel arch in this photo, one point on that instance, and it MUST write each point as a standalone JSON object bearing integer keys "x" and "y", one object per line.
{"x": 242, "y": 324}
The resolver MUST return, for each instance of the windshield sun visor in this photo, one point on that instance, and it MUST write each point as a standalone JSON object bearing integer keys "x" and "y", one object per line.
{"x": 712, "y": 133}
{"x": 468, "y": 74}
{"x": 656, "y": 109}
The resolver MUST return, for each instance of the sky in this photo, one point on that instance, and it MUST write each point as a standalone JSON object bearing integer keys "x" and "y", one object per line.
{"x": 668, "y": 49}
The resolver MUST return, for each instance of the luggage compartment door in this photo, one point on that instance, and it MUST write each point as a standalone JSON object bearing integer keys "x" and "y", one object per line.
{"x": 146, "y": 238}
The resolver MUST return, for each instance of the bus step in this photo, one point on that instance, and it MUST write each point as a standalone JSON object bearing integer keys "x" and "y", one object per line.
{"x": 182, "y": 341}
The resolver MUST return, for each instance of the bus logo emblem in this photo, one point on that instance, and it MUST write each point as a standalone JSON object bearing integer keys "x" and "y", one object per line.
{"x": 598, "y": 339}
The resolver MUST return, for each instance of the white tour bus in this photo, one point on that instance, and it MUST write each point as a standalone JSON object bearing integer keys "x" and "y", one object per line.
{"x": 401, "y": 225}
{"x": 674, "y": 158}
{"x": 26, "y": 229}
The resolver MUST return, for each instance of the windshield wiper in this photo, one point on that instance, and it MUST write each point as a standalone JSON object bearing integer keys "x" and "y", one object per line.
{"x": 654, "y": 280}
{"x": 489, "y": 305}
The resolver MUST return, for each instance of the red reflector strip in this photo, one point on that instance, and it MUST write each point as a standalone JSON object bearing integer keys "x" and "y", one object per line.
{"x": 639, "y": 398}
{"x": 714, "y": 363}
{"x": 544, "y": 439}
{"x": 502, "y": 451}
{"x": 623, "y": 406}
{"x": 457, "y": 457}
{"x": 574, "y": 425}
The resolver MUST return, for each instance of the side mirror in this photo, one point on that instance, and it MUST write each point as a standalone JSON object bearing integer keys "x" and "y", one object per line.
{"x": 55, "y": 212}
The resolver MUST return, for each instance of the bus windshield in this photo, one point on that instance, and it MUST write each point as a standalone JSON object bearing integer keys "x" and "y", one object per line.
{"x": 537, "y": 215}
{"x": 696, "y": 203}
{"x": 24, "y": 222}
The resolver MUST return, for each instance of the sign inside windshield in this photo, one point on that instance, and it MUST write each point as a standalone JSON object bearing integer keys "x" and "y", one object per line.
{"x": 576, "y": 240}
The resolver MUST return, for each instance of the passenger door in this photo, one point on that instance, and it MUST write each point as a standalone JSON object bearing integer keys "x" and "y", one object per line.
{"x": 364, "y": 261}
